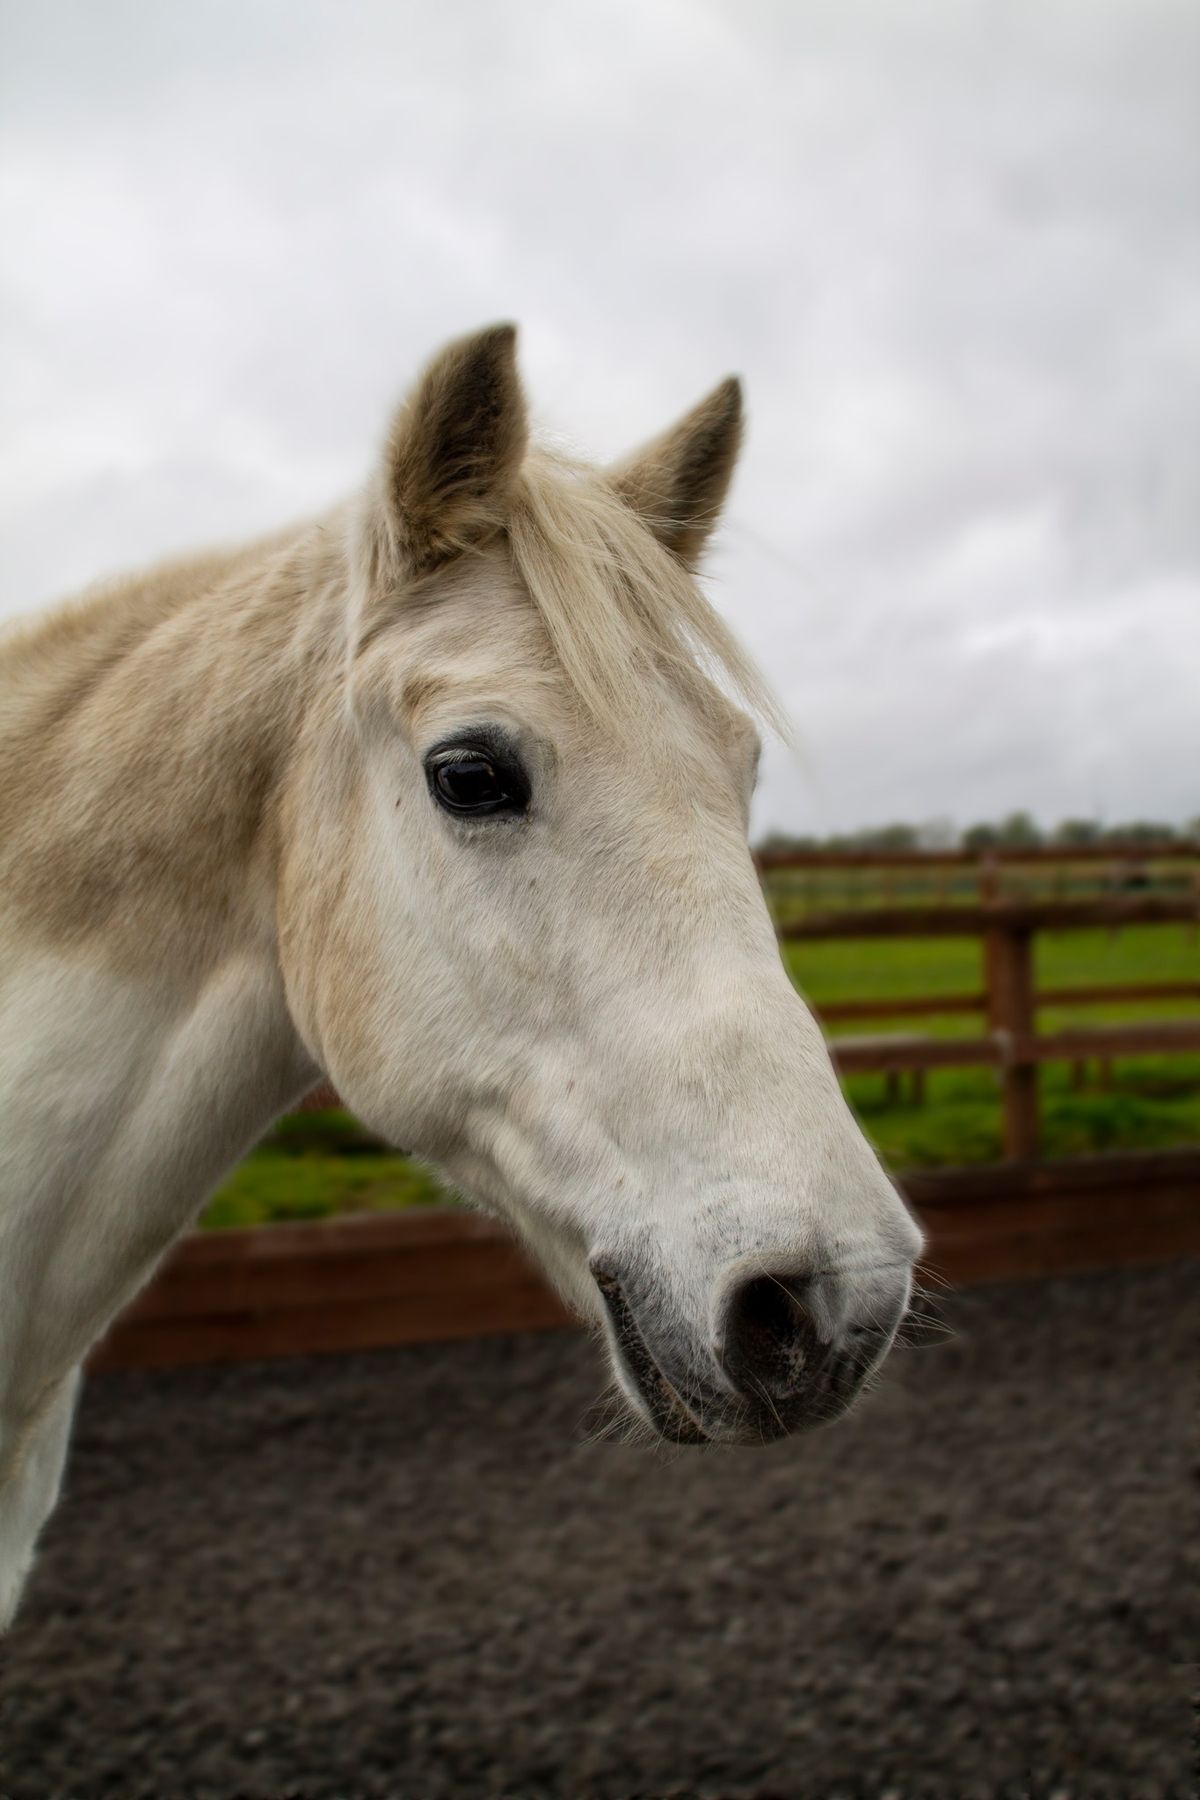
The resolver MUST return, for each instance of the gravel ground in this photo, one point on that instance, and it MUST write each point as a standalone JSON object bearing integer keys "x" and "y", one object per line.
{"x": 408, "y": 1574}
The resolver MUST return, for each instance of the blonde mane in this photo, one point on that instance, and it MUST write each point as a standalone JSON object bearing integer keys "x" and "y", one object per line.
{"x": 613, "y": 602}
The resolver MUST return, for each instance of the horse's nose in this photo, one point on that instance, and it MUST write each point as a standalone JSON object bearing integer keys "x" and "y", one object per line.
{"x": 805, "y": 1342}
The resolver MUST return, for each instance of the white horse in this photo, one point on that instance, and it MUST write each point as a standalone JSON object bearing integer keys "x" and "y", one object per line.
{"x": 435, "y": 797}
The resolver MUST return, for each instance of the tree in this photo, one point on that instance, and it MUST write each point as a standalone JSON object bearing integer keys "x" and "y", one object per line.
{"x": 1140, "y": 831}
{"x": 783, "y": 842}
{"x": 1019, "y": 831}
{"x": 888, "y": 837}
{"x": 1077, "y": 831}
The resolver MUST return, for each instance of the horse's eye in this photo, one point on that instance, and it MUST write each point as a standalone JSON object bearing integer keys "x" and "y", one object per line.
{"x": 473, "y": 782}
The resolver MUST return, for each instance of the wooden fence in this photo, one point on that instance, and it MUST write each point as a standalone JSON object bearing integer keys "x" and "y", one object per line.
{"x": 1012, "y": 1044}
{"x": 1117, "y": 858}
{"x": 939, "y": 877}
{"x": 1112, "y": 866}
{"x": 439, "y": 1272}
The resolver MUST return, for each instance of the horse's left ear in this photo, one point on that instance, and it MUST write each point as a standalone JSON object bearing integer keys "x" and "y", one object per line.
{"x": 455, "y": 448}
{"x": 679, "y": 482}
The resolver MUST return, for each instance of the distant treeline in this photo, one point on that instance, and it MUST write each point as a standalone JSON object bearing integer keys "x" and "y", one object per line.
{"x": 1019, "y": 831}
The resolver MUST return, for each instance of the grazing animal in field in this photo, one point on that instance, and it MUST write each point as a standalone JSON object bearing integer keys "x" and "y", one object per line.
{"x": 436, "y": 796}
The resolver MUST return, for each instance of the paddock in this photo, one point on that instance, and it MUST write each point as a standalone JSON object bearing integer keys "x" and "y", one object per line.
{"x": 419, "y": 1566}
{"x": 407, "y": 1572}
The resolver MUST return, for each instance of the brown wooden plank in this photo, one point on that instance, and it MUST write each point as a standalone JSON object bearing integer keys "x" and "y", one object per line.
{"x": 1118, "y": 855}
{"x": 900, "y": 1007}
{"x": 879, "y": 1056}
{"x": 916, "y": 1006}
{"x": 973, "y": 921}
{"x": 1120, "y": 993}
{"x": 285, "y": 1290}
{"x": 869, "y": 1057}
{"x": 1048, "y": 1214}
{"x": 397, "y": 1273}
{"x": 1090, "y": 1212}
{"x": 1123, "y": 1171}
{"x": 524, "y": 1305}
{"x": 1154, "y": 1037}
{"x": 1018, "y": 1256}
{"x": 972, "y": 1240}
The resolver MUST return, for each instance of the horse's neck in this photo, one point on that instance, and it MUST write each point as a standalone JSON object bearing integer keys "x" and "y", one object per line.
{"x": 145, "y": 1039}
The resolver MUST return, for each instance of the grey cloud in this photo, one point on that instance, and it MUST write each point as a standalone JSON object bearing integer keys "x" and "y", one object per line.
{"x": 952, "y": 250}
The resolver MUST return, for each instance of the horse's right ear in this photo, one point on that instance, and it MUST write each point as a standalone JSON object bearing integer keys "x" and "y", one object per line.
{"x": 679, "y": 482}
{"x": 454, "y": 450}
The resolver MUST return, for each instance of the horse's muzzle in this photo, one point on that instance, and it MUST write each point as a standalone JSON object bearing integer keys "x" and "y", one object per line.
{"x": 789, "y": 1351}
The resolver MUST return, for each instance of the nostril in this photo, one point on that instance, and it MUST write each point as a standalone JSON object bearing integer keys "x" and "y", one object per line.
{"x": 769, "y": 1339}
{"x": 767, "y": 1308}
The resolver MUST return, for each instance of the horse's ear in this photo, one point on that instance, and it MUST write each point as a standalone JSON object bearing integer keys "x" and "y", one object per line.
{"x": 679, "y": 482}
{"x": 454, "y": 449}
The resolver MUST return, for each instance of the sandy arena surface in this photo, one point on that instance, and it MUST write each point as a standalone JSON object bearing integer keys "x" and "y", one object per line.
{"x": 407, "y": 1574}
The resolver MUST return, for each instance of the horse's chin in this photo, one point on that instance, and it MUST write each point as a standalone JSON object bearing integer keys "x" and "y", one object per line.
{"x": 656, "y": 1398}
{"x": 694, "y": 1420}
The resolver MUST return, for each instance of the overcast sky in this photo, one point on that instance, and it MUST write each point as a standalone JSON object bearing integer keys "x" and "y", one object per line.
{"x": 953, "y": 250}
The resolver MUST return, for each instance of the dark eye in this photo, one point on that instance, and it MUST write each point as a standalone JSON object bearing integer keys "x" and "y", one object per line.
{"x": 474, "y": 782}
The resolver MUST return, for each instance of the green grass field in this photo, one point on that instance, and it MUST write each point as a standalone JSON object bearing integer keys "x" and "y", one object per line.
{"x": 1153, "y": 1101}
{"x": 314, "y": 1165}
{"x": 317, "y": 1164}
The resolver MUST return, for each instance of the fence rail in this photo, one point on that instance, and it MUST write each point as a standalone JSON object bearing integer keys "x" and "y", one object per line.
{"x": 1009, "y": 1001}
{"x": 1119, "y": 855}
{"x": 918, "y": 1006}
{"x": 1000, "y": 1050}
{"x": 1000, "y": 915}
{"x": 437, "y": 1273}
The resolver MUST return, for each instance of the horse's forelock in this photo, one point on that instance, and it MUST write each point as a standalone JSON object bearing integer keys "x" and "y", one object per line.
{"x": 615, "y": 603}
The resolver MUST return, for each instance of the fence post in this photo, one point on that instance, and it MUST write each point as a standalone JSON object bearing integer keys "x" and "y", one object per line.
{"x": 988, "y": 875}
{"x": 1008, "y": 971}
